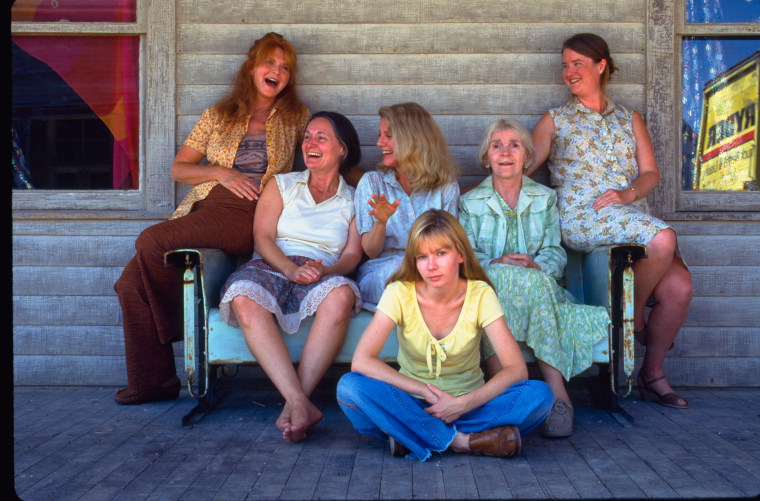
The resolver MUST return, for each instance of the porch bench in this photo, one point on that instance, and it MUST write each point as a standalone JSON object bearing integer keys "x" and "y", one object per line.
{"x": 602, "y": 277}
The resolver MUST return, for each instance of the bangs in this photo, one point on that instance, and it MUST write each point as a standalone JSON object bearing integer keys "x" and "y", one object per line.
{"x": 267, "y": 49}
{"x": 435, "y": 239}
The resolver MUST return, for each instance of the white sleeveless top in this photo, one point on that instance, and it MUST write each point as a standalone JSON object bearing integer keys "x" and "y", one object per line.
{"x": 305, "y": 228}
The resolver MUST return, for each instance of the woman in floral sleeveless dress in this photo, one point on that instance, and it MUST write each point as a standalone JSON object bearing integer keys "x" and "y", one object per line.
{"x": 602, "y": 163}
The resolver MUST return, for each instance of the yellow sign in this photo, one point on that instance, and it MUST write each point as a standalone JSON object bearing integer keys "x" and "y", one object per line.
{"x": 728, "y": 152}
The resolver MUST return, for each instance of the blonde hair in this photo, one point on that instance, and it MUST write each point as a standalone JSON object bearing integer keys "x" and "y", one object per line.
{"x": 507, "y": 124}
{"x": 236, "y": 105}
{"x": 419, "y": 147}
{"x": 436, "y": 225}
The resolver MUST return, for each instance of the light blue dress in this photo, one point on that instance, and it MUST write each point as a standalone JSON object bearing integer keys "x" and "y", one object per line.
{"x": 374, "y": 272}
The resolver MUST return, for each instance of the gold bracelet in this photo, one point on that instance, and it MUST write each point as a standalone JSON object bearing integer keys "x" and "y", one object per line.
{"x": 635, "y": 193}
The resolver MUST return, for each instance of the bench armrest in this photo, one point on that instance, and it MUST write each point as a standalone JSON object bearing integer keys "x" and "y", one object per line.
{"x": 604, "y": 277}
{"x": 205, "y": 271}
{"x": 212, "y": 267}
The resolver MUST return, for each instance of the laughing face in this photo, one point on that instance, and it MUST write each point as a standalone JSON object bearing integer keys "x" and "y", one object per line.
{"x": 272, "y": 75}
{"x": 385, "y": 142}
{"x": 506, "y": 154}
{"x": 321, "y": 148}
{"x": 580, "y": 73}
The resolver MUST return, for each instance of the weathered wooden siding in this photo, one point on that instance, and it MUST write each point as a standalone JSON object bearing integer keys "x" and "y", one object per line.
{"x": 467, "y": 66}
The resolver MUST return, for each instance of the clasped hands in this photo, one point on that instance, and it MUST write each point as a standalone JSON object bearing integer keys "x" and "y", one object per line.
{"x": 522, "y": 260}
{"x": 445, "y": 407}
{"x": 308, "y": 273}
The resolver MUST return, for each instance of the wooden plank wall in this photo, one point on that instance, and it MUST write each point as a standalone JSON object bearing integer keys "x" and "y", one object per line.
{"x": 467, "y": 64}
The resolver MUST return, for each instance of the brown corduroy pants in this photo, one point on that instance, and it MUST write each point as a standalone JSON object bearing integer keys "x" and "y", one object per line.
{"x": 150, "y": 293}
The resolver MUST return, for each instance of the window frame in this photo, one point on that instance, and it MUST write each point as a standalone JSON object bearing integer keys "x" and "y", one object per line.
{"x": 668, "y": 28}
{"x": 155, "y": 26}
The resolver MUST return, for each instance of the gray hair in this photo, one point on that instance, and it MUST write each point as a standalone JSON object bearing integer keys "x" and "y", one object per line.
{"x": 507, "y": 124}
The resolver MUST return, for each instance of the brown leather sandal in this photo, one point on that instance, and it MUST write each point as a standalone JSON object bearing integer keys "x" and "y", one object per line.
{"x": 647, "y": 394}
{"x": 502, "y": 442}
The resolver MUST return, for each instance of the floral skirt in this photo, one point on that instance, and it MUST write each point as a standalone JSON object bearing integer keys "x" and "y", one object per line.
{"x": 546, "y": 317}
{"x": 288, "y": 301}
{"x": 584, "y": 228}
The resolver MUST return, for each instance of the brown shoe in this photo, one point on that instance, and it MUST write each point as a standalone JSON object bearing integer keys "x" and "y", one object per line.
{"x": 501, "y": 442}
{"x": 167, "y": 391}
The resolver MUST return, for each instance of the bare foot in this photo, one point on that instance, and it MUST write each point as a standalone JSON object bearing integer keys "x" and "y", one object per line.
{"x": 296, "y": 418}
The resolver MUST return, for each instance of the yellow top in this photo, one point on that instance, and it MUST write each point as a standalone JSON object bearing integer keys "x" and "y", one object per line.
{"x": 218, "y": 139}
{"x": 452, "y": 364}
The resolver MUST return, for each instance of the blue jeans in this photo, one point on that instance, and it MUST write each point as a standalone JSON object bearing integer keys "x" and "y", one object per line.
{"x": 375, "y": 407}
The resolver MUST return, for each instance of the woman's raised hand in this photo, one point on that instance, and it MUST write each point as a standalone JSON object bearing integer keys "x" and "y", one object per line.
{"x": 238, "y": 183}
{"x": 381, "y": 208}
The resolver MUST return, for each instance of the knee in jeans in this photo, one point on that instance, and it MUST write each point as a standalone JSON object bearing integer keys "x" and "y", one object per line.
{"x": 345, "y": 391}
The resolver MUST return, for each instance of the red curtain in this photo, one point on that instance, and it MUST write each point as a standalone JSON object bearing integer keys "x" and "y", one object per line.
{"x": 102, "y": 70}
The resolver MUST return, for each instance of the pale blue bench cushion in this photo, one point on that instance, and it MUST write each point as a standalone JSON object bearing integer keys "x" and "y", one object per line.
{"x": 227, "y": 346}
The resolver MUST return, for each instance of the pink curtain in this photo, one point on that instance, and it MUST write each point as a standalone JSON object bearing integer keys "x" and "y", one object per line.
{"x": 102, "y": 70}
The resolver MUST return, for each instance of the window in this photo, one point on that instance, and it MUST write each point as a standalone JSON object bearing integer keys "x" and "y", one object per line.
{"x": 719, "y": 46}
{"x": 80, "y": 91}
{"x": 75, "y": 110}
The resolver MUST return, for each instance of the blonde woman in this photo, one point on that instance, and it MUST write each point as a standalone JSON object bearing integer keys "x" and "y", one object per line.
{"x": 440, "y": 301}
{"x": 416, "y": 173}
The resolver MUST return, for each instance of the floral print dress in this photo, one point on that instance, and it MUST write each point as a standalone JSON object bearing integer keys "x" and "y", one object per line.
{"x": 590, "y": 154}
{"x": 538, "y": 312}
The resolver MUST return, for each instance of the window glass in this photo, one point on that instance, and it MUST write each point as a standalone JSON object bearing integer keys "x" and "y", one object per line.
{"x": 720, "y": 113}
{"x": 75, "y": 112}
{"x": 49, "y": 11}
{"x": 722, "y": 11}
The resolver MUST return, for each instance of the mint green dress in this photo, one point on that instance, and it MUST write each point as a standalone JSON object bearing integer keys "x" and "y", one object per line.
{"x": 537, "y": 310}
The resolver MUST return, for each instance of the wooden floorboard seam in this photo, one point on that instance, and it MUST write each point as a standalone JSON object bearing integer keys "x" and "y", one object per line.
{"x": 86, "y": 447}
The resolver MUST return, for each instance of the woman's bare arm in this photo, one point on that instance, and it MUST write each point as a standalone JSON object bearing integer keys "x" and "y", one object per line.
{"x": 542, "y": 136}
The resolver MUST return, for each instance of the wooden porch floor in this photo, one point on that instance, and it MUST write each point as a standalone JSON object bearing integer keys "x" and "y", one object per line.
{"x": 76, "y": 443}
